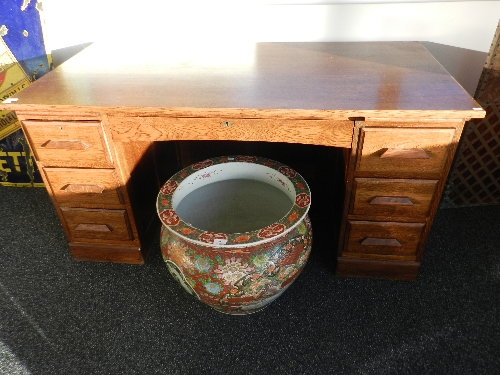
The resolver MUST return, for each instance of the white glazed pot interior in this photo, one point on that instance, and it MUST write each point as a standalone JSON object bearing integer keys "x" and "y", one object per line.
{"x": 234, "y": 197}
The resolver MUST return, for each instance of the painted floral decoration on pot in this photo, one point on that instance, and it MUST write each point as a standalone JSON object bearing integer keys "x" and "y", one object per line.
{"x": 225, "y": 238}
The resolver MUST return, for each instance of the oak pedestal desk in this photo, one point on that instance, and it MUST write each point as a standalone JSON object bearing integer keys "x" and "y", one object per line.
{"x": 93, "y": 122}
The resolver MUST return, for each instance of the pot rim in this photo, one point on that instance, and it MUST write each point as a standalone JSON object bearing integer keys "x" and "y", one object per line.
{"x": 296, "y": 214}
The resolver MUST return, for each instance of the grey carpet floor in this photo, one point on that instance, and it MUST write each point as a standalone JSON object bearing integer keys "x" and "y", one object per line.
{"x": 59, "y": 316}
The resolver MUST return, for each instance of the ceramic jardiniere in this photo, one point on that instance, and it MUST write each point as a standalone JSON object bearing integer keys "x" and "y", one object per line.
{"x": 235, "y": 231}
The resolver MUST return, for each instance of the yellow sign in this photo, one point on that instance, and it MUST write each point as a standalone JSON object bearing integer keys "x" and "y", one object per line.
{"x": 12, "y": 77}
{"x": 8, "y": 123}
{"x": 12, "y": 80}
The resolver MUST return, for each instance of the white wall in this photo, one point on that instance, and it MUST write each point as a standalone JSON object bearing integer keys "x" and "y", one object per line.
{"x": 466, "y": 24}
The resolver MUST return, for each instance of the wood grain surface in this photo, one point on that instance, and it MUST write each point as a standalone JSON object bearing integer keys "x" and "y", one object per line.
{"x": 97, "y": 224}
{"x": 393, "y": 197}
{"x": 97, "y": 187}
{"x": 107, "y": 253}
{"x": 403, "y": 149}
{"x": 368, "y": 76}
{"x": 319, "y": 132}
{"x": 72, "y": 144}
{"x": 383, "y": 240}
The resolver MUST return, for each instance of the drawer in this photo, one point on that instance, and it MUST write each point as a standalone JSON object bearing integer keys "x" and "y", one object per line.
{"x": 337, "y": 133}
{"x": 84, "y": 186}
{"x": 383, "y": 239}
{"x": 404, "y": 150}
{"x": 393, "y": 197}
{"x": 71, "y": 144}
{"x": 97, "y": 224}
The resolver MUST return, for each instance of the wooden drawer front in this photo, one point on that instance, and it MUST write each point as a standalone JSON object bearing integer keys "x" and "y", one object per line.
{"x": 72, "y": 144}
{"x": 399, "y": 240}
{"x": 84, "y": 186}
{"x": 391, "y": 197}
{"x": 319, "y": 132}
{"x": 404, "y": 150}
{"x": 97, "y": 224}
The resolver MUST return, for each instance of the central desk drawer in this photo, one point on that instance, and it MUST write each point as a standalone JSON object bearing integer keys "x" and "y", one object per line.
{"x": 393, "y": 197}
{"x": 72, "y": 187}
{"x": 69, "y": 144}
{"x": 399, "y": 240}
{"x": 336, "y": 133}
{"x": 97, "y": 224}
{"x": 404, "y": 150}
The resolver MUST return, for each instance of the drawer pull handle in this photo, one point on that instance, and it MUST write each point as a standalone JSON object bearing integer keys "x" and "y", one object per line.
{"x": 392, "y": 201}
{"x": 404, "y": 153}
{"x": 370, "y": 241}
{"x": 83, "y": 188}
{"x": 94, "y": 227}
{"x": 66, "y": 145}
{"x": 226, "y": 124}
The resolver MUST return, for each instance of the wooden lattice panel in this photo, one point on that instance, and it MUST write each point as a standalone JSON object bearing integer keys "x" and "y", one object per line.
{"x": 475, "y": 176}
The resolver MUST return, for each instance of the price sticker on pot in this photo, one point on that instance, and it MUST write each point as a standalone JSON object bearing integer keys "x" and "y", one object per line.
{"x": 220, "y": 241}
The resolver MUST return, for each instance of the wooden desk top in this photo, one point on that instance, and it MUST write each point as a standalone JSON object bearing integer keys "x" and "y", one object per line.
{"x": 386, "y": 78}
